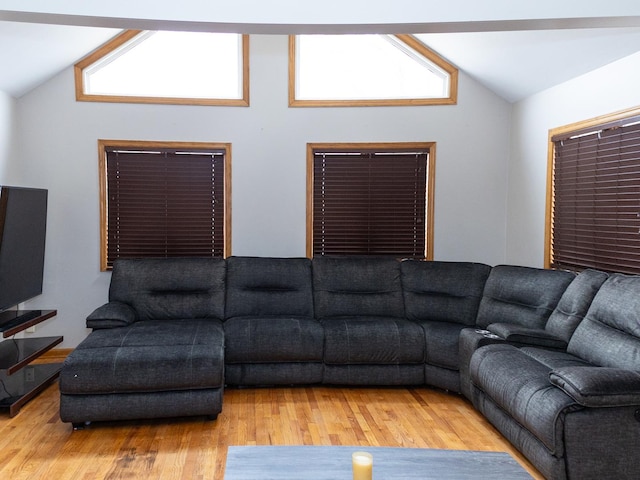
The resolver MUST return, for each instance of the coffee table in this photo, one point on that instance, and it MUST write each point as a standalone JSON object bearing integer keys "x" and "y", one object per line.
{"x": 334, "y": 463}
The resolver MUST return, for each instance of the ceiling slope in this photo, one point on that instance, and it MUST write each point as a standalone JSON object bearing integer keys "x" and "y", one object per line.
{"x": 514, "y": 52}
{"x": 33, "y": 53}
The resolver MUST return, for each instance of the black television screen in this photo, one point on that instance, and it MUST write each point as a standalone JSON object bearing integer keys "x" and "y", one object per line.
{"x": 23, "y": 220}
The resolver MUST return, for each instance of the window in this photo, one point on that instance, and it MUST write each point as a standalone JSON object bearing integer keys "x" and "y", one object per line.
{"x": 368, "y": 70}
{"x": 161, "y": 199}
{"x": 200, "y": 68}
{"x": 593, "y": 211}
{"x": 370, "y": 199}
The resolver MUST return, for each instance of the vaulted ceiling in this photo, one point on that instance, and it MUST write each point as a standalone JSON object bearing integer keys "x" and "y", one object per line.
{"x": 513, "y": 56}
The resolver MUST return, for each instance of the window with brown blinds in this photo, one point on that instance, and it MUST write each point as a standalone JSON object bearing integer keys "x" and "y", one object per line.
{"x": 370, "y": 202}
{"x": 596, "y": 198}
{"x": 164, "y": 203}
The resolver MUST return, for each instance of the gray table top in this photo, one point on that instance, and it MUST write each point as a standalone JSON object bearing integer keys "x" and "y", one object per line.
{"x": 334, "y": 463}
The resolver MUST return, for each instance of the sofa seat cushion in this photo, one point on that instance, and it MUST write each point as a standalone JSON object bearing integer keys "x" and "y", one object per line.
{"x": 553, "y": 358}
{"x": 442, "y": 343}
{"x": 519, "y": 384}
{"x": 372, "y": 340}
{"x": 147, "y": 356}
{"x": 273, "y": 339}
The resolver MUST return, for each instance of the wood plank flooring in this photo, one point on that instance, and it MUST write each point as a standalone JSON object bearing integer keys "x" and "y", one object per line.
{"x": 35, "y": 444}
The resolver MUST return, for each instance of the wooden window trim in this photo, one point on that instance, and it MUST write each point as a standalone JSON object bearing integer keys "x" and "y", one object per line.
{"x": 410, "y": 41}
{"x": 398, "y": 146}
{"x": 578, "y": 127}
{"x": 126, "y": 36}
{"x": 104, "y": 145}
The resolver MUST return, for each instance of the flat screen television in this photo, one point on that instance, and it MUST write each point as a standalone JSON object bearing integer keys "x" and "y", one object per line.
{"x": 23, "y": 224}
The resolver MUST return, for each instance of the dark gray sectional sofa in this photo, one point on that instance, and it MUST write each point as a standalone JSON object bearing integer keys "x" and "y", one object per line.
{"x": 551, "y": 358}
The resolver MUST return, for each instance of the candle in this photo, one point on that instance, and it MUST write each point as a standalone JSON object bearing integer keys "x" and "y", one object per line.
{"x": 362, "y": 463}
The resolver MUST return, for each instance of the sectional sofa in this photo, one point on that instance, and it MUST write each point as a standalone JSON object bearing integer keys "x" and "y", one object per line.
{"x": 552, "y": 359}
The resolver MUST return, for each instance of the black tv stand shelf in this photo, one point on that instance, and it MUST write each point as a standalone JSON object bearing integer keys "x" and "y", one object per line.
{"x": 20, "y": 381}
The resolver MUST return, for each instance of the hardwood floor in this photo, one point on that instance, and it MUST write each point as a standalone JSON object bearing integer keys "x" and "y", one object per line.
{"x": 35, "y": 444}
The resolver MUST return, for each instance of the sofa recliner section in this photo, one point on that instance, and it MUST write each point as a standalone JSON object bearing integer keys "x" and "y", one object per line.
{"x": 272, "y": 336}
{"x": 516, "y": 305}
{"x": 443, "y": 298}
{"x": 360, "y": 305}
{"x": 580, "y": 407}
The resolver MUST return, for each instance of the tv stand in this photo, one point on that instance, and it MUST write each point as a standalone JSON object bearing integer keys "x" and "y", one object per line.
{"x": 19, "y": 381}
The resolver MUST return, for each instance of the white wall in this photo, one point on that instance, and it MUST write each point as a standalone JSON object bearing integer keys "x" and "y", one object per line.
{"x": 58, "y": 138}
{"x": 606, "y": 90}
{"x": 8, "y": 139}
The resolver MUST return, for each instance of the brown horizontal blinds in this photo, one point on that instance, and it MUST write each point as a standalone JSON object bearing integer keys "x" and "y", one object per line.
{"x": 165, "y": 204}
{"x": 369, "y": 203}
{"x": 596, "y": 201}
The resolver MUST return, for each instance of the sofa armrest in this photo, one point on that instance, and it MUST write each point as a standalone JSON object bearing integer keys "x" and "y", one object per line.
{"x": 111, "y": 315}
{"x": 598, "y": 386}
{"x": 526, "y": 335}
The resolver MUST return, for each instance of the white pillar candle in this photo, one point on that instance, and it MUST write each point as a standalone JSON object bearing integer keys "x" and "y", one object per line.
{"x": 362, "y": 463}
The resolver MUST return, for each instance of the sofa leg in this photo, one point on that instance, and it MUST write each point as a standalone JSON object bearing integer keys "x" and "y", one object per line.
{"x": 80, "y": 425}
{"x": 212, "y": 417}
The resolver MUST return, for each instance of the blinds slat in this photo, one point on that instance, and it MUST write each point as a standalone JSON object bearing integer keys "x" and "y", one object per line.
{"x": 369, "y": 204}
{"x": 596, "y": 200}
{"x": 164, "y": 204}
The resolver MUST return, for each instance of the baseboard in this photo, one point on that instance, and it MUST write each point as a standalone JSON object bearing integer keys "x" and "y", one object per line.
{"x": 55, "y": 355}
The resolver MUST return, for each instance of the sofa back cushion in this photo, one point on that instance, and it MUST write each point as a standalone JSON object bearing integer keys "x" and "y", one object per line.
{"x": 269, "y": 286}
{"x": 443, "y": 291}
{"x": 521, "y": 295}
{"x": 574, "y": 303}
{"x": 170, "y": 288}
{"x": 357, "y": 286}
{"x": 609, "y": 335}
